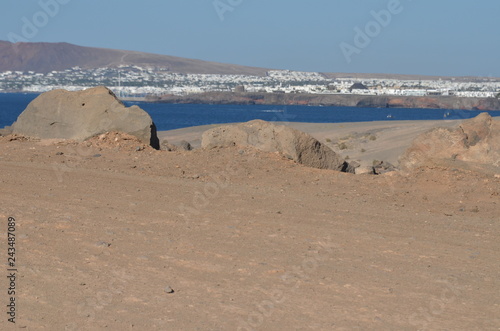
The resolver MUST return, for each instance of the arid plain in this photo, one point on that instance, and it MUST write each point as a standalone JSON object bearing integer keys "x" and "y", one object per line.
{"x": 113, "y": 235}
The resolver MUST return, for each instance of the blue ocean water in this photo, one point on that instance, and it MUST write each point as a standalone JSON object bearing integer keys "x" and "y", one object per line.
{"x": 176, "y": 116}
{"x": 12, "y": 105}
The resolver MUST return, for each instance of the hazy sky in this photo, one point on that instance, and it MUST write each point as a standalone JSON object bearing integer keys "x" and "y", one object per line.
{"x": 433, "y": 37}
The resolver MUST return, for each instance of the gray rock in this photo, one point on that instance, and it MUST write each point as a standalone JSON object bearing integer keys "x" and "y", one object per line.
{"x": 185, "y": 145}
{"x": 102, "y": 244}
{"x": 382, "y": 167}
{"x": 60, "y": 114}
{"x": 166, "y": 146}
{"x": 269, "y": 137}
{"x": 364, "y": 170}
{"x": 355, "y": 164}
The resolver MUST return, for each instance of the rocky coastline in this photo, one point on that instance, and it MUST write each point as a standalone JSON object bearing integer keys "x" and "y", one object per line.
{"x": 336, "y": 100}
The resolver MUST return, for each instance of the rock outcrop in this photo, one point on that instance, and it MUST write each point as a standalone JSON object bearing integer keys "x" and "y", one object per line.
{"x": 476, "y": 140}
{"x": 60, "y": 114}
{"x": 269, "y": 137}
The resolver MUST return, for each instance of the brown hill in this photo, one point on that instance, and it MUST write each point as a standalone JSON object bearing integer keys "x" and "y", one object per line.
{"x": 45, "y": 57}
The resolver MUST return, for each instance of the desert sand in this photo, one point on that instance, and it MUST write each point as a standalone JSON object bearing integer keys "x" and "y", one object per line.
{"x": 113, "y": 235}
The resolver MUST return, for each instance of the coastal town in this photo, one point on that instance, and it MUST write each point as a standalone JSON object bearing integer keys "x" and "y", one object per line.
{"x": 135, "y": 81}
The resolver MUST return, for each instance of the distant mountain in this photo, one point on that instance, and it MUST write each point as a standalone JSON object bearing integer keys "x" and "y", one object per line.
{"x": 46, "y": 57}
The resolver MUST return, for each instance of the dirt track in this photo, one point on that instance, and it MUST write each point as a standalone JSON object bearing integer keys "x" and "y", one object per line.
{"x": 246, "y": 240}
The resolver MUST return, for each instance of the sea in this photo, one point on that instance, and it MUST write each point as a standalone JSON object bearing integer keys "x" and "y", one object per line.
{"x": 177, "y": 116}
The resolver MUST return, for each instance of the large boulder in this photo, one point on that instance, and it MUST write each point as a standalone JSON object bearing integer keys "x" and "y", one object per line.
{"x": 269, "y": 137}
{"x": 60, "y": 114}
{"x": 475, "y": 140}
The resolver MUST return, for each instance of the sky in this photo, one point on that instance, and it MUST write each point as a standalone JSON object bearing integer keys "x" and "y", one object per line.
{"x": 426, "y": 37}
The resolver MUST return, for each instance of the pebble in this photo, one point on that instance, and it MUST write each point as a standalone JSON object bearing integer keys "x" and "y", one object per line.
{"x": 97, "y": 155}
{"x": 59, "y": 153}
{"x": 169, "y": 290}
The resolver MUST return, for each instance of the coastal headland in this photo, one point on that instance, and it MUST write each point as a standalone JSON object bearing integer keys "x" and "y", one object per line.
{"x": 336, "y": 100}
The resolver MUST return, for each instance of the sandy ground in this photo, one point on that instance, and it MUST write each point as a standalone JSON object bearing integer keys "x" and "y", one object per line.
{"x": 245, "y": 240}
{"x": 363, "y": 141}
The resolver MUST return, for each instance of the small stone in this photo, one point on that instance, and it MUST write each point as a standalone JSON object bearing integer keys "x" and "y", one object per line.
{"x": 96, "y": 155}
{"x": 382, "y": 167}
{"x": 354, "y": 164}
{"x": 169, "y": 290}
{"x": 364, "y": 170}
{"x": 166, "y": 146}
{"x": 185, "y": 145}
{"x": 59, "y": 153}
{"x": 139, "y": 148}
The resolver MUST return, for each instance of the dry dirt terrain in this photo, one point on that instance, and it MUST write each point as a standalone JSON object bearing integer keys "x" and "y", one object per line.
{"x": 113, "y": 235}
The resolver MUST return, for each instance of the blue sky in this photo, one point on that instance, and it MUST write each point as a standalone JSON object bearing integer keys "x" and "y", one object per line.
{"x": 431, "y": 37}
